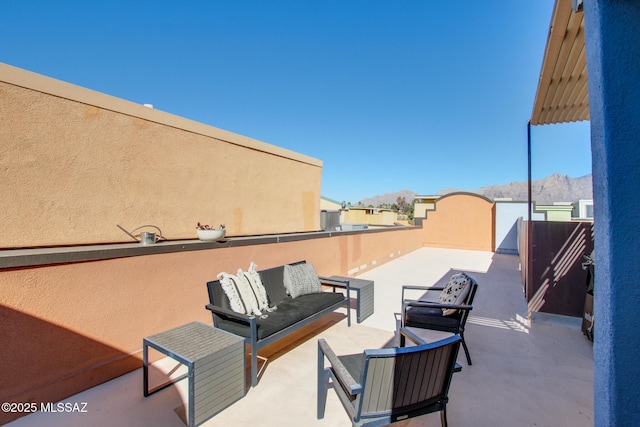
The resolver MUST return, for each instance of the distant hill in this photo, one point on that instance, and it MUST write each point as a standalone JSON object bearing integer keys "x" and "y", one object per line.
{"x": 389, "y": 198}
{"x": 554, "y": 188}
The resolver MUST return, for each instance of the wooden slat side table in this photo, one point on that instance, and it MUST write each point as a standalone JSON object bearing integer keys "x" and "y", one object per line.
{"x": 364, "y": 295}
{"x": 216, "y": 366}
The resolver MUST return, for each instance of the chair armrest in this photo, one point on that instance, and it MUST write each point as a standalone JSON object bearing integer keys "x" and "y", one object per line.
{"x": 420, "y": 288}
{"x": 339, "y": 369}
{"x": 230, "y": 313}
{"x": 423, "y": 288}
{"x": 413, "y": 303}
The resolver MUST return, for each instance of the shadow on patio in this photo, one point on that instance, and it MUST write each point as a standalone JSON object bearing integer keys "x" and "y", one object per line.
{"x": 523, "y": 373}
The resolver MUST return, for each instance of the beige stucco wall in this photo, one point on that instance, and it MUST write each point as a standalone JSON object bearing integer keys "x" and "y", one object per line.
{"x": 423, "y": 204}
{"x": 420, "y": 209}
{"x": 461, "y": 221}
{"x": 329, "y": 205}
{"x": 356, "y": 216}
{"x": 381, "y": 218}
{"x": 74, "y": 163}
{"x": 389, "y": 217}
{"x": 69, "y": 327}
{"x": 360, "y": 216}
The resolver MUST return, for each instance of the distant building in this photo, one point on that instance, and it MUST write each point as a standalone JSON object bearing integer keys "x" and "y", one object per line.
{"x": 422, "y": 204}
{"x": 370, "y": 216}
{"x": 583, "y": 209}
{"x": 558, "y": 211}
{"x": 329, "y": 204}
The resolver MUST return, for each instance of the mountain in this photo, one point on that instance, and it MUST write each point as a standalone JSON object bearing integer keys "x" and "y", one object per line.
{"x": 388, "y": 198}
{"x": 554, "y": 188}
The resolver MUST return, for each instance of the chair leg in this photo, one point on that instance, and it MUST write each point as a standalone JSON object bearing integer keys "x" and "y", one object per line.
{"x": 323, "y": 385}
{"x": 323, "y": 388}
{"x": 466, "y": 350}
{"x": 443, "y": 417}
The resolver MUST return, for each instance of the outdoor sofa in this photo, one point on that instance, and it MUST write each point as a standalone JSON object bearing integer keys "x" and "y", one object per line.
{"x": 294, "y": 299}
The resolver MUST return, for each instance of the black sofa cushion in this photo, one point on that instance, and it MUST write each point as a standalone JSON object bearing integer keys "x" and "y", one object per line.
{"x": 289, "y": 311}
{"x": 416, "y": 316}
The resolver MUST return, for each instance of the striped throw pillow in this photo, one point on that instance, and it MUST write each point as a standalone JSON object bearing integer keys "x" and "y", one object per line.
{"x": 253, "y": 277}
{"x": 242, "y": 297}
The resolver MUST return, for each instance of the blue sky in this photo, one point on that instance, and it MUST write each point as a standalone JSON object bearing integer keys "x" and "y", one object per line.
{"x": 390, "y": 95}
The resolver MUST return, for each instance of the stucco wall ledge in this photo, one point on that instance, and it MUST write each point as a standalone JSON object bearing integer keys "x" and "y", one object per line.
{"x": 32, "y": 257}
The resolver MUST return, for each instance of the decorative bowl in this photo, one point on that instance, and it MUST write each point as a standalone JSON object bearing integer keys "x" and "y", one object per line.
{"x": 211, "y": 235}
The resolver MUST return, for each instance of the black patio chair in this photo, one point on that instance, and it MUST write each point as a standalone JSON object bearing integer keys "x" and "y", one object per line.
{"x": 379, "y": 387}
{"x": 430, "y": 314}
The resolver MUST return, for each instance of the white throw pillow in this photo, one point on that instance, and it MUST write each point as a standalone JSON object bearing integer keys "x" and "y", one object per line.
{"x": 240, "y": 293}
{"x": 455, "y": 292}
{"x": 253, "y": 277}
{"x": 301, "y": 279}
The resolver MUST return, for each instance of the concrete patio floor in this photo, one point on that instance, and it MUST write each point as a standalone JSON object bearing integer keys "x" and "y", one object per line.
{"x": 524, "y": 373}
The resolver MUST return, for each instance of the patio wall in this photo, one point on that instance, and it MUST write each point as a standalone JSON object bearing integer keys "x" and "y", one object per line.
{"x": 76, "y": 162}
{"x": 69, "y": 327}
{"x": 461, "y": 221}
